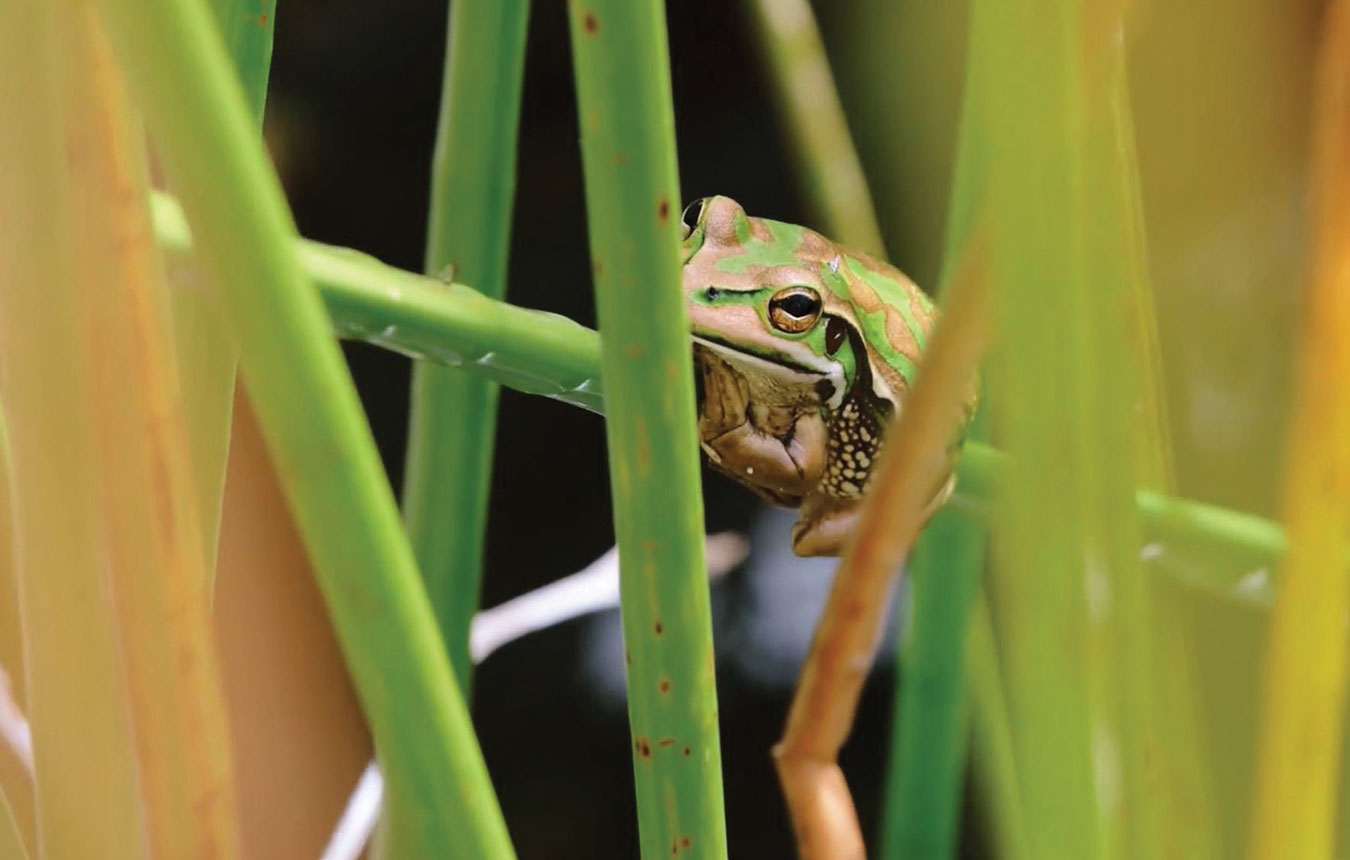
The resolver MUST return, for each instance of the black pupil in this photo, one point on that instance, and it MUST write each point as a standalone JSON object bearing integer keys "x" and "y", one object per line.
{"x": 798, "y": 304}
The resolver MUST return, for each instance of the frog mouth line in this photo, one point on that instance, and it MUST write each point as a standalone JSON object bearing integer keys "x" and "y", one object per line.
{"x": 778, "y": 364}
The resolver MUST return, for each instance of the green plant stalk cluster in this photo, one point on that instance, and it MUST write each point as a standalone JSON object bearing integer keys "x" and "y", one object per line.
{"x": 453, "y": 415}
{"x": 312, "y": 420}
{"x": 536, "y": 352}
{"x": 632, "y": 206}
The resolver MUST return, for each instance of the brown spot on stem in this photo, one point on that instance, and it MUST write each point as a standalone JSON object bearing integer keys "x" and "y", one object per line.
{"x": 688, "y": 752}
{"x": 659, "y": 628}
{"x": 664, "y": 686}
{"x": 627, "y": 657}
{"x": 262, "y": 19}
{"x": 686, "y": 843}
{"x": 666, "y": 742}
{"x": 635, "y": 350}
{"x": 663, "y": 210}
{"x": 590, "y": 24}
{"x": 643, "y": 748}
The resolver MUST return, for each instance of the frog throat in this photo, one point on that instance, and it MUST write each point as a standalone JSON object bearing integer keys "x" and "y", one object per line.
{"x": 827, "y": 377}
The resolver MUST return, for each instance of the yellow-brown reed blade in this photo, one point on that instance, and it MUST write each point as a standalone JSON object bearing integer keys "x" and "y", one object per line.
{"x": 1302, "y": 718}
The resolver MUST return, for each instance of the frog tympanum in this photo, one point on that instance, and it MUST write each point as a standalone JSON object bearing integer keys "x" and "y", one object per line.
{"x": 804, "y": 352}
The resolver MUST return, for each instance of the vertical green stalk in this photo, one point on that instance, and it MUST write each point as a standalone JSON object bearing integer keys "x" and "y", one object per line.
{"x": 454, "y": 415}
{"x": 930, "y": 727}
{"x": 1070, "y": 601}
{"x": 317, "y": 435}
{"x": 628, "y": 150}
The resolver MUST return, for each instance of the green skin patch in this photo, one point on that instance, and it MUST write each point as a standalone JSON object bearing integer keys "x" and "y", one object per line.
{"x": 813, "y": 338}
{"x": 782, "y": 250}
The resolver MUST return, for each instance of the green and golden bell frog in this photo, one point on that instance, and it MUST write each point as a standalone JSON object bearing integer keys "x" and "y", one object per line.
{"x": 804, "y": 352}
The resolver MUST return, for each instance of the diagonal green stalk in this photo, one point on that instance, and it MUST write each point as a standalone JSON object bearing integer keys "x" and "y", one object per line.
{"x": 454, "y": 416}
{"x": 628, "y": 151}
{"x": 312, "y": 420}
{"x": 204, "y": 351}
{"x": 817, "y": 131}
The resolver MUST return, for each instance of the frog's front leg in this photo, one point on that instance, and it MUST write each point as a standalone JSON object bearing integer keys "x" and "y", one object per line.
{"x": 776, "y": 450}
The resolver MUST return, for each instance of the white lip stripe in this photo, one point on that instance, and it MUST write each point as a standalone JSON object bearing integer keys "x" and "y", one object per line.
{"x": 821, "y": 368}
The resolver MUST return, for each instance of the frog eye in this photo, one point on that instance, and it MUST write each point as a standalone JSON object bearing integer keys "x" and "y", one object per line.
{"x": 689, "y": 219}
{"x": 794, "y": 310}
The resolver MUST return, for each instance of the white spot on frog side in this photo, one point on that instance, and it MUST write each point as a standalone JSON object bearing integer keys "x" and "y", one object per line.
{"x": 864, "y": 460}
{"x": 849, "y": 487}
{"x": 749, "y": 470}
{"x": 388, "y": 331}
{"x": 486, "y": 359}
{"x": 834, "y": 265}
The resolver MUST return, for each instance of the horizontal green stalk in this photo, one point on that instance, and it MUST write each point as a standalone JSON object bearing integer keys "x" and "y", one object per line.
{"x": 632, "y": 204}
{"x": 312, "y": 420}
{"x": 537, "y": 352}
{"x": 453, "y": 416}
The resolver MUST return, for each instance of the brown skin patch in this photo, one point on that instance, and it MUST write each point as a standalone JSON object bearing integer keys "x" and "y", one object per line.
{"x": 663, "y": 210}
{"x": 590, "y": 24}
{"x": 664, "y": 687}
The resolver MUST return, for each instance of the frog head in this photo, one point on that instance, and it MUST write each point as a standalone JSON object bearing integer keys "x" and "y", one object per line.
{"x": 781, "y": 302}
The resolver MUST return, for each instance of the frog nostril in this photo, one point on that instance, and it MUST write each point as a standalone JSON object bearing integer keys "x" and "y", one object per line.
{"x": 712, "y": 294}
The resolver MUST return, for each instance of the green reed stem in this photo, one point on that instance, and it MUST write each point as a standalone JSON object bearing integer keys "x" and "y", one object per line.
{"x": 632, "y": 206}
{"x": 816, "y": 130}
{"x": 453, "y": 415}
{"x": 312, "y": 419}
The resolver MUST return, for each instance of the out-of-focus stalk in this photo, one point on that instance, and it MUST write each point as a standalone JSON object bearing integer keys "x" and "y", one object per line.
{"x": 1303, "y": 709}
{"x": 816, "y": 129}
{"x": 77, "y": 706}
{"x": 207, "y": 354}
{"x": 454, "y": 415}
{"x": 16, "y": 782}
{"x": 153, "y": 554}
{"x": 310, "y": 415}
{"x": 632, "y": 208}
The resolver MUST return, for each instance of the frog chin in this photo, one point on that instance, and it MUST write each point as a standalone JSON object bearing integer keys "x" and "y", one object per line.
{"x": 825, "y": 379}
